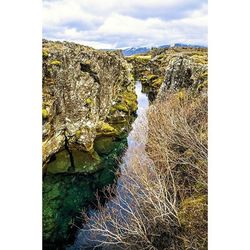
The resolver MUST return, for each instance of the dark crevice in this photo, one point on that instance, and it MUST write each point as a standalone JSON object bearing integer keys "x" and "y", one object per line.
{"x": 87, "y": 68}
{"x": 72, "y": 167}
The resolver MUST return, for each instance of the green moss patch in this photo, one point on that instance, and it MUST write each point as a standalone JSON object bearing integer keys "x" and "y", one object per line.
{"x": 127, "y": 104}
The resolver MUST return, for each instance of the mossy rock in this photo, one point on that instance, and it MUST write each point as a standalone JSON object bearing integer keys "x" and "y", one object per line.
{"x": 104, "y": 145}
{"x": 86, "y": 162}
{"x": 143, "y": 80}
{"x": 127, "y": 104}
{"x": 201, "y": 86}
{"x": 60, "y": 164}
{"x": 131, "y": 77}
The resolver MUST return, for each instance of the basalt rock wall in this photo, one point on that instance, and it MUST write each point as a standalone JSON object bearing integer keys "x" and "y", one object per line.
{"x": 86, "y": 93}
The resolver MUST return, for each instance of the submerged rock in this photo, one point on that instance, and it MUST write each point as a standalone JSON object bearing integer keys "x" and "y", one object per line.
{"x": 104, "y": 145}
{"x": 60, "y": 164}
{"x": 86, "y": 162}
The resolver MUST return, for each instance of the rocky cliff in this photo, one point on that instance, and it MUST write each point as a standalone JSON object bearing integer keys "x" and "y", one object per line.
{"x": 87, "y": 94}
{"x": 186, "y": 71}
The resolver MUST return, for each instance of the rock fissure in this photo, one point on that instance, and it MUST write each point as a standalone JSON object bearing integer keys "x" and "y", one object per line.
{"x": 72, "y": 167}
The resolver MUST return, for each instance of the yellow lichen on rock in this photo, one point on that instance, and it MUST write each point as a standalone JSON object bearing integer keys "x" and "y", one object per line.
{"x": 55, "y": 62}
{"x": 45, "y": 53}
{"x": 78, "y": 134}
{"x": 45, "y": 113}
{"x": 104, "y": 128}
{"x": 88, "y": 101}
{"x": 130, "y": 99}
{"x": 157, "y": 82}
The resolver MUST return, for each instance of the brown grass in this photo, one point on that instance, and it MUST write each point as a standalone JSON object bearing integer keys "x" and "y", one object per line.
{"x": 162, "y": 197}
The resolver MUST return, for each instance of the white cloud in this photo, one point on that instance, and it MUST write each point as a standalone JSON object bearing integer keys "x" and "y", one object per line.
{"x": 115, "y": 23}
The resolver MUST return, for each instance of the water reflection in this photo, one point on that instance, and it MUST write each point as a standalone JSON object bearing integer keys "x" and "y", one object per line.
{"x": 136, "y": 146}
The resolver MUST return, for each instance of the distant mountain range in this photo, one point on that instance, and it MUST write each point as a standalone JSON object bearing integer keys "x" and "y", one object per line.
{"x": 139, "y": 50}
{"x": 134, "y": 51}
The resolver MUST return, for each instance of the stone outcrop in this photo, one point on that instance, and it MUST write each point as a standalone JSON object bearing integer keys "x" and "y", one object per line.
{"x": 86, "y": 93}
{"x": 186, "y": 71}
{"x": 170, "y": 65}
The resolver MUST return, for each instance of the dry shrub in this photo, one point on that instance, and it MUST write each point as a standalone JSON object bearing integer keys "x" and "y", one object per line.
{"x": 161, "y": 198}
{"x": 177, "y": 140}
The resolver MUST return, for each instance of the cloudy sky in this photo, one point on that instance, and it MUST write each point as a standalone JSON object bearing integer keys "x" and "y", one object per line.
{"x": 126, "y": 23}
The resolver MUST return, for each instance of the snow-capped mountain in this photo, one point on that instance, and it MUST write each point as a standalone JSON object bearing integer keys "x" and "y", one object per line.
{"x": 133, "y": 51}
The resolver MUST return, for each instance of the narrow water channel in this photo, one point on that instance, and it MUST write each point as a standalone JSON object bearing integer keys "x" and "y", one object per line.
{"x": 136, "y": 145}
